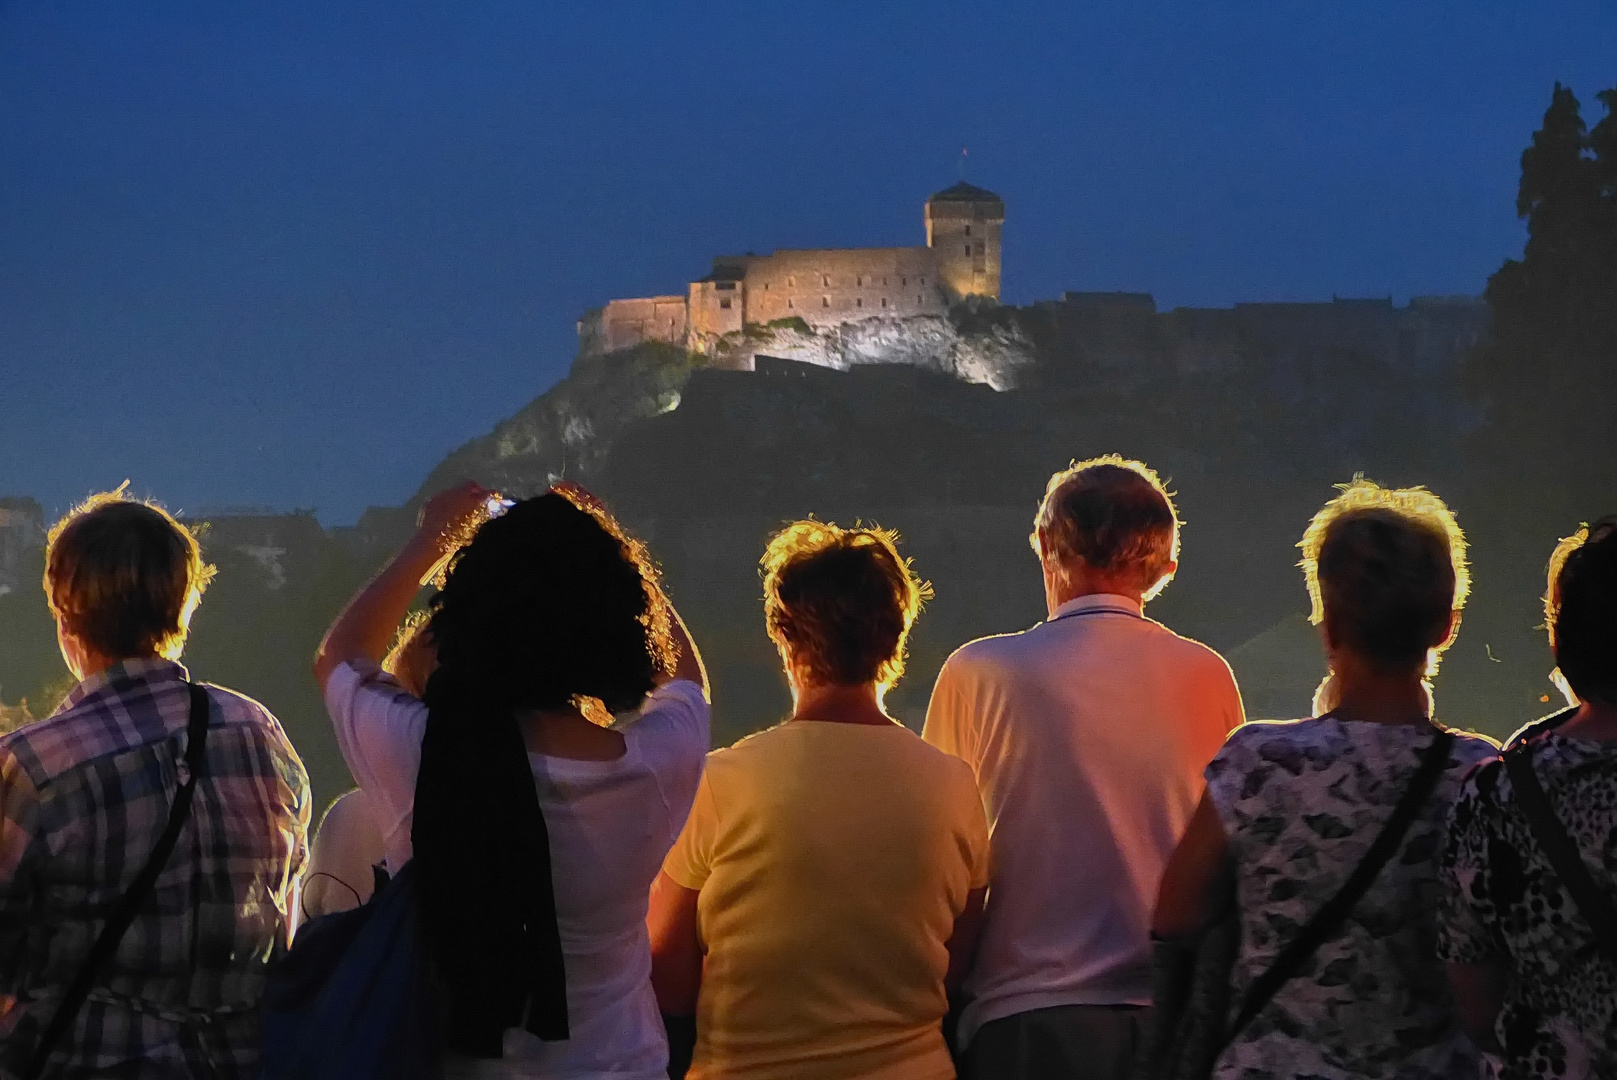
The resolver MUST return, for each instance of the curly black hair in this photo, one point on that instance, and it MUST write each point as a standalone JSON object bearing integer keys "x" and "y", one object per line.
{"x": 549, "y": 604}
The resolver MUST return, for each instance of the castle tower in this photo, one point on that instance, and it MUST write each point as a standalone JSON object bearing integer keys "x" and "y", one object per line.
{"x": 962, "y": 228}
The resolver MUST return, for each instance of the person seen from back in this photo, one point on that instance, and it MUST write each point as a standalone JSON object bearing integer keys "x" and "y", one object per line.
{"x": 535, "y": 829}
{"x": 85, "y": 795}
{"x": 346, "y": 856}
{"x": 1088, "y": 734}
{"x": 1292, "y": 808}
{"x": 826, "y": 889}
{"x": 1535, "y": 974}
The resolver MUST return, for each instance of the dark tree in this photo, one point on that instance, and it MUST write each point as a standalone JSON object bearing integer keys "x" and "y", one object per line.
{"x": 1547, "y": 375}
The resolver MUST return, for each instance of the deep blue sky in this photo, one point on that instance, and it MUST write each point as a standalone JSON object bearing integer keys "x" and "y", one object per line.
{"x": 291, "y": 254}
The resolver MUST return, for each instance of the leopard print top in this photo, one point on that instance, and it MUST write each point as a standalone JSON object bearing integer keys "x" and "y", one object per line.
{"x": 1502, "y": 901}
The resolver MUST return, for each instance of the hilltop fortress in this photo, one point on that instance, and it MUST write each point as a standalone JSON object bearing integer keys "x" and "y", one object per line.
{"x": 821, "y": 288}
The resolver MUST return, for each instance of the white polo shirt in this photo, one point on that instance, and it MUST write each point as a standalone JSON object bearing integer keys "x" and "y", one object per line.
{"x": 1088, "y": 735}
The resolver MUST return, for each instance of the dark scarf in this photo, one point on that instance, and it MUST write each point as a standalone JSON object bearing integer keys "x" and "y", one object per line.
{"x": 488, "y": 909}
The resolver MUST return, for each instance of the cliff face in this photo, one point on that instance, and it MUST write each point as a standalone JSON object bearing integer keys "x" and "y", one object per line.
{"x": 570, "y": 429}
{"x": 992, "y": 355}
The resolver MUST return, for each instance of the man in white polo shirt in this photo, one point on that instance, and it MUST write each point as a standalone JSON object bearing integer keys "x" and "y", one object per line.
{"x": 1088, "y": 734}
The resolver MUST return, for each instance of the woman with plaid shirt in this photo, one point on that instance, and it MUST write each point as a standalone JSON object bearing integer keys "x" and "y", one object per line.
{"x": 84, "y": 796}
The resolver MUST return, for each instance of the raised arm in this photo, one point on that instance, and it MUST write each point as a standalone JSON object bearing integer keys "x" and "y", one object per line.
{"x": 689, "y": 664}
{"x": 366, "y": 626}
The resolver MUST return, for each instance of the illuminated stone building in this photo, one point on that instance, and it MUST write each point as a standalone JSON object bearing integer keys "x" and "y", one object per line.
{"x": 823, "y": 288}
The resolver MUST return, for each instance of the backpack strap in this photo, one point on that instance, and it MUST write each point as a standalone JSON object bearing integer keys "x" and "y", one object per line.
{"x": 196, "y": 741}
{"x": 1562, "y": 852}
{"x": 1329, "y": 919}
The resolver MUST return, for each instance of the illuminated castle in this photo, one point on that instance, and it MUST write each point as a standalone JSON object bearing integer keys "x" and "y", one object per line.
{"x": 822, "y": 288}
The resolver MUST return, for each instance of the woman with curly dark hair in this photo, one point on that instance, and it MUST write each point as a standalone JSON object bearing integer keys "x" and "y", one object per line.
{"x": 537, "y": 826}
{"x": 829, "y": 882}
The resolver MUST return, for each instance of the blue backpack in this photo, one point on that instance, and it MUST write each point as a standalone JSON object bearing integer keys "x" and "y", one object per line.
{"x": 354, "y": 998}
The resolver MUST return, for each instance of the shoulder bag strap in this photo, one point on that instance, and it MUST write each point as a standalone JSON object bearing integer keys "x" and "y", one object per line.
{"x": 67, "y": 1009}
{"x": 1560, "y": 849}
{"x": 1329, "y": 919}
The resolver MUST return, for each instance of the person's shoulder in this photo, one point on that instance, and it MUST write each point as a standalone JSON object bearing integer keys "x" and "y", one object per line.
{"x": 1189, "y": 653}
{"x": 235, "y": 707}
{"x": 987, "y": 655}
{"x": 1301, "y": 731}
{"x": 1472, "y": 748}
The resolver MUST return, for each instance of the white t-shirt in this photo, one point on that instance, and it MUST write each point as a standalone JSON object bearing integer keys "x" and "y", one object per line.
{"x": 611, "y": 823}
{"x": 1088, "y": 735}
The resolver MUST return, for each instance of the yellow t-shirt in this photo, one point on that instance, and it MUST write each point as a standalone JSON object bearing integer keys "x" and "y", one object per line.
{"x": 832, "y": 860}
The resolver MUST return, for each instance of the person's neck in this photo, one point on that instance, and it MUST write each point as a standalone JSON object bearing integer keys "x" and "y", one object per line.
{"x": 841, "y": 705}
{"x": 568, "y": 733}
{"x": 1594, "y": 720}
{"x": 89, "y": 665}
{"x": 1376, "y": 698}
{"x": 1065, "y": 592}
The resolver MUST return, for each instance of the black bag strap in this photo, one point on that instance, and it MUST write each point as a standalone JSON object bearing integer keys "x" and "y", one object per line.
{"x": 1562, "y": 851}
{"x": 1329, "y": 919}
{"x": 196, "y": 741}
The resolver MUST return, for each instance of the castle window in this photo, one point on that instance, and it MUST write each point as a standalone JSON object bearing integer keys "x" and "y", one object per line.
{"x": 791, "y": 281}
{"x": 725, "y": 303}
{"x": 904, "y": 281}
{"x": 968, "y": 230}
{"x": 884, "y": 301}
{"x": 884, "y": 279}
{"x": 917, "y": 299}
{"x": 788, "y": 303}
{"x": 859, "y": 302}
{"x": 979, "y": 247}
{"x": 923, "y": 281}
{"x": 968, "y": 249}
{"x": 825, "y": 301}
{"x": 825, "y": 279}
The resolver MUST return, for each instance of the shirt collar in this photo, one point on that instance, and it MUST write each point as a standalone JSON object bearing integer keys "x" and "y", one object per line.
{"x": 147, "y": 670}
{"x": 1099, "y": 600}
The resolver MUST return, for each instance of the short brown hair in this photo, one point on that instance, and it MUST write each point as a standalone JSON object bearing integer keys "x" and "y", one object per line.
{"x": 842, "y": 601}
{"x": 1113, "y": 513}
{"x": 124, "y": 576}
{"x": 1581, "y": 609}
{"x": 1386, "y": 571}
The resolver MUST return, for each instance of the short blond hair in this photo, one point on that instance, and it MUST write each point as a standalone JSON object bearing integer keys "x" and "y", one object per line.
{"x": 124, "y": 576}
{"x": 841, "y": 601}
{"x": 1115, "y": 514}
{"x": 1386, "y": 568}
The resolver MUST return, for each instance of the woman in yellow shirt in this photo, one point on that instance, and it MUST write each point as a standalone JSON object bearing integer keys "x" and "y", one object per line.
{"x": 828, "y": 885}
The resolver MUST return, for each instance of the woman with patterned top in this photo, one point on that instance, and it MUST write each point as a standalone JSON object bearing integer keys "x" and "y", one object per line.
{"x": 1292, "y": 809}
{"x": 1533, "y": 980}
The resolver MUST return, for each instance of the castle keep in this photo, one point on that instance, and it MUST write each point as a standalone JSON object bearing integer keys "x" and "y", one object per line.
{"x": 823, "y": 288}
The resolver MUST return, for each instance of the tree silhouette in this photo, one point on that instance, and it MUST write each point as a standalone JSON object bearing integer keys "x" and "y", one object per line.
{"x": 1547, "y": 375}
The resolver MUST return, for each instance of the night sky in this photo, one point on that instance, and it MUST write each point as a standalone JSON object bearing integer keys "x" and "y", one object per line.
{"x": 292, "y": 255}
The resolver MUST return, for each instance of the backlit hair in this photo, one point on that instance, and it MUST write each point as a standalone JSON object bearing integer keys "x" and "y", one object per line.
{"x": 124, "y": 576}
{"x": 1580, "y": 606}
{"x": 411, "y": 659}
{"x": 840, "y": 602}
{"x": 1386, "y": 570}
{"x": 1113, "y": 513}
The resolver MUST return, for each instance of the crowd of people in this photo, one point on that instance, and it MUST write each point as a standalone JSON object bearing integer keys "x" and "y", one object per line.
{"x": 1088, "y": 864}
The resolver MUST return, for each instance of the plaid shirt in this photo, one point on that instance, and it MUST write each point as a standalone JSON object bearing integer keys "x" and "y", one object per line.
{"x": 83, "y": 798}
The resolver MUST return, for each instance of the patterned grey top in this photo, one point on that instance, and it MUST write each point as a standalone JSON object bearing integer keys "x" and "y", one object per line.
{"x": 1502, "y": 901}
{"x": 1301, "y": 802}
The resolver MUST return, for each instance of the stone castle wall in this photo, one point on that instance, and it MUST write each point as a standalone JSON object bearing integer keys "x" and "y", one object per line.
{"x": 823, "y": 288}
{"x": 622, "y": 324}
